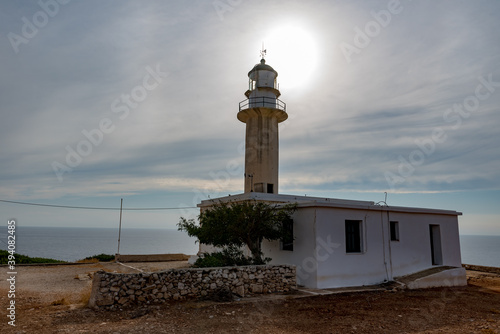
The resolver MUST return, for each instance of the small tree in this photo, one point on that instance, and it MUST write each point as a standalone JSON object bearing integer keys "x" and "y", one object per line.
{"x": 236, "y": 224}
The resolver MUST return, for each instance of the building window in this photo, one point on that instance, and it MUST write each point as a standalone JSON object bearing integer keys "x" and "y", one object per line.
{"x": 270, "y": 188}
{"x": 353, "y": 236}
{"x": 287, "y": 239}
{"x": 394, "y": 231}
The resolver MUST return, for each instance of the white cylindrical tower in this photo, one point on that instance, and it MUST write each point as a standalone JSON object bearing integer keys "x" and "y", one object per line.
{"x": 262, "y": 112}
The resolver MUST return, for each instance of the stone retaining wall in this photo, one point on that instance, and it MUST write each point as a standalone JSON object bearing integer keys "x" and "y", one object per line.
{"x": 494, "y": 270}
{"x": 112, "y": 290}
{"x": 151, "y": 257}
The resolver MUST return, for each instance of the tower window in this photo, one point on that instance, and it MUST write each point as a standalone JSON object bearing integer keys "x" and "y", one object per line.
{"x": 394, "y": 231}
{"x": 251, "y": 85}
{"x": 353, "y": 236}
{"x": 270, "y": 188}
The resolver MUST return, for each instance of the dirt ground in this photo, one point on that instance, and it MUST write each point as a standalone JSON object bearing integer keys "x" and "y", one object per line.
{"x": 51, "y": 299}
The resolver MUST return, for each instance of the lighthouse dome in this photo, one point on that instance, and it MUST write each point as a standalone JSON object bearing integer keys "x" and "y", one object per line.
{"x": 262, "y": 66}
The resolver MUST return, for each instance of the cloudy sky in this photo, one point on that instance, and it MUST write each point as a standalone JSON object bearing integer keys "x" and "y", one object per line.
{"x": 102, "y": 100}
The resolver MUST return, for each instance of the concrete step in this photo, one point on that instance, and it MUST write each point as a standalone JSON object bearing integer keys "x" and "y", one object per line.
{"x": 443, "y": 276}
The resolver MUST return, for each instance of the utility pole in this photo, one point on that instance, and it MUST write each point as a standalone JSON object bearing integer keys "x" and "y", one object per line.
{"x": 120, "y": 228}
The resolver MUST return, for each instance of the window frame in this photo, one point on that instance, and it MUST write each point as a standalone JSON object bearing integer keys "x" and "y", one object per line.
{"x": 354, "y": 238}
{"x": 394, "y": 230}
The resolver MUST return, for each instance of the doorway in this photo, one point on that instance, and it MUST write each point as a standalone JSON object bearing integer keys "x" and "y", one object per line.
{"x": 436, "y": 251}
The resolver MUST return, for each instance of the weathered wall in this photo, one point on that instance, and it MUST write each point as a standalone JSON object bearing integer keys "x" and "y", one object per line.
{"x": 120, "y": 290}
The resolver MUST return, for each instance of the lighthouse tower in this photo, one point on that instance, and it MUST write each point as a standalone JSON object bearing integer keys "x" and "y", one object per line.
{"x": 262, "y": 111}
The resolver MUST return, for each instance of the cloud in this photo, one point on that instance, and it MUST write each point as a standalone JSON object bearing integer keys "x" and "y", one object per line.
{"x": 346, "y": 128}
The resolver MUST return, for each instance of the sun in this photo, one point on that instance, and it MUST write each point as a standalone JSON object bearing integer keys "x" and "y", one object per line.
{"x": 292, "y": 52}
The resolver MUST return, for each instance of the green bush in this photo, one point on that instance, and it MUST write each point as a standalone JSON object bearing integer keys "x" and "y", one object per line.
{"x": 228, "y": 257}
{"x": 101, "y": 257}
{"x": 23, "y": 259}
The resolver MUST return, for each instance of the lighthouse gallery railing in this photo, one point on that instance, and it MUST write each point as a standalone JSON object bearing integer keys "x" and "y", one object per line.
{"x": 262, "y": 101}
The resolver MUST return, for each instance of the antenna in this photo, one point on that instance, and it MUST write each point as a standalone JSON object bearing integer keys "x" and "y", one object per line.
{"x": 263, "y": 52}
{"x": 251, "y": 181}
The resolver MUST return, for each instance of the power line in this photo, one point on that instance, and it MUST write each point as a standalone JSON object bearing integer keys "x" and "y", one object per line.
{"x": 95, "y": 208}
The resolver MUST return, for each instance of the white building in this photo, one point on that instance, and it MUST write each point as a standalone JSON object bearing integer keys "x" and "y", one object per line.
{"x": 339, "y": 243}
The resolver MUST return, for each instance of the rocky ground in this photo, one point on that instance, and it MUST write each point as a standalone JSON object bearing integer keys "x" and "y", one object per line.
{"x": 52, "y": 299}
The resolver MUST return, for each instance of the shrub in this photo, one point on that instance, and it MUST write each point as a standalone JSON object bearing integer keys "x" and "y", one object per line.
{"x": 23, "y": 259}
{"x": 237, "y": 224}
{"x": 101, "y": 258}
{"x": 228, "y": 257}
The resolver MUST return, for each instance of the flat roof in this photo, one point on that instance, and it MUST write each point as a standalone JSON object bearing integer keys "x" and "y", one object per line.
{"x": 323, "y": 202}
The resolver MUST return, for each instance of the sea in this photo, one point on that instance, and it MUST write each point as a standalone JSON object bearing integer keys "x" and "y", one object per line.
{"x": 72, "y": 243}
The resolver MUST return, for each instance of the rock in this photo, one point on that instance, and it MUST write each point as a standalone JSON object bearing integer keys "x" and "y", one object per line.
{"x": 240, "y": 291}
{"x": 122, "y": 300}
{"x": 83, "y": 277}
{"x": 256, "y": 288}
{"x": 222, "y": 294}
{"x": 105, "y": 301}
{"x": 138, "y": 313}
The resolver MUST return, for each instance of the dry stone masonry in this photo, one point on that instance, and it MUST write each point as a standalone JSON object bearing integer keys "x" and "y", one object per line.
{"x": 113, "y": 290}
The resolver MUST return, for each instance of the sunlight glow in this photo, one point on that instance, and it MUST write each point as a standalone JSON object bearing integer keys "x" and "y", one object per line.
{"x": 293, "y": 53}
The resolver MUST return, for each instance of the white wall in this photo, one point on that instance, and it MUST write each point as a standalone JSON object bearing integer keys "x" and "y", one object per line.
{"x": 303, "y": 254}
{"x": 413, "y": 251}
{"x": 342, "y": 269}
{"x": 320, "y": 250}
